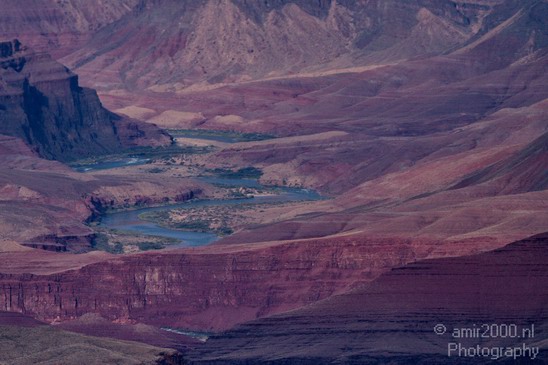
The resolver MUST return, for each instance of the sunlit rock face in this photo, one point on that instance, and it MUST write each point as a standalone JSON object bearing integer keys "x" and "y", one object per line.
{"x": 167, "y": 44}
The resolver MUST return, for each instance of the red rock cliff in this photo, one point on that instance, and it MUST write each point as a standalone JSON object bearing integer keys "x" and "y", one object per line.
{"x": 210, "y": 288}
{"x": 42, "y": 103}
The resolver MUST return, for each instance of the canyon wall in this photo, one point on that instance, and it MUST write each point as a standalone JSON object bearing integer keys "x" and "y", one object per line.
{"x": 392, "y": 319}
{"x": 210, "y": 288}
{"x": 42, "y": 103}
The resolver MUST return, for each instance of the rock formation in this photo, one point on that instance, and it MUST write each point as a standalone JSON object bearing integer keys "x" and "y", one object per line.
{"x": 169, "y": 45}
{"x": 392, "y": 319}
{"x": 209, "y": 289}
{"x": 42, "y": 103}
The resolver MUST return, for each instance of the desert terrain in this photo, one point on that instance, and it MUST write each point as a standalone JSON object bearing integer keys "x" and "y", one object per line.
{"x": 277, "y": 182}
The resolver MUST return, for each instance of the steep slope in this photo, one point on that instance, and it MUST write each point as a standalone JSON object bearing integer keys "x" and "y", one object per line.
{"x": 174, "y": 44}
{"x": 58, "y": 26}
{"x": 392, "y": 319}
{"x": 42, "y": 103}
{"x": 25, "y": 341}
{"x": 210, "y": 288}
{"x": 379, "y": 119}
{"x": 525, "y": 171}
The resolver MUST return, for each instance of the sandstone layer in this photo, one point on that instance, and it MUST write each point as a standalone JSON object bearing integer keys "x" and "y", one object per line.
{"x": 208, "y": 289}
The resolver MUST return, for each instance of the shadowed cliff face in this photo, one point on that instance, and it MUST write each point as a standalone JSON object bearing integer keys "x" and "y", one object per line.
{"x": 391, "y": 320}
{"x": 42, "y": 103}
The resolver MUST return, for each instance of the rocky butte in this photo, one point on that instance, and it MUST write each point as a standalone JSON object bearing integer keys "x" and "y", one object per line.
{"x": 423, "y": 124}
{"x": 42, "y": 103}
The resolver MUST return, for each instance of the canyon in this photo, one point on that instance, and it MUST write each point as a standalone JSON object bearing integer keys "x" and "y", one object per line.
{"x": 422, "y": 124}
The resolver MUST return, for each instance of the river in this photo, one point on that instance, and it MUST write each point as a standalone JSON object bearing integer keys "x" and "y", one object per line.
{"x": 110, "y": 164}
{"x": 138, "y": 159}
{"x": 130, "y": 221}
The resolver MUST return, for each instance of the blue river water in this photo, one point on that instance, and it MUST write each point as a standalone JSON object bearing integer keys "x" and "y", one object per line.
{"x": 130, "y": 221}
{"x": 219, "y": 137}
{"x": 111, "y": 164}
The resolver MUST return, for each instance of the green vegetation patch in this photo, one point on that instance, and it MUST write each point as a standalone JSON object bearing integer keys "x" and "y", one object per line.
{"x": 146, "y": 246}
{"x": 200, "y": 219}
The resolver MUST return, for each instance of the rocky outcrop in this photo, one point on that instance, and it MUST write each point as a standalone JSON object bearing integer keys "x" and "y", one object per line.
{"x": 42, "y": 103}
{"x": 44, "y": 203}
{"x": 525, "y": 171}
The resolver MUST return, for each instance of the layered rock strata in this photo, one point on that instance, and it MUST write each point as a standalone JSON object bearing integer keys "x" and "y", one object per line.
{"x": 42, "y": 103}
